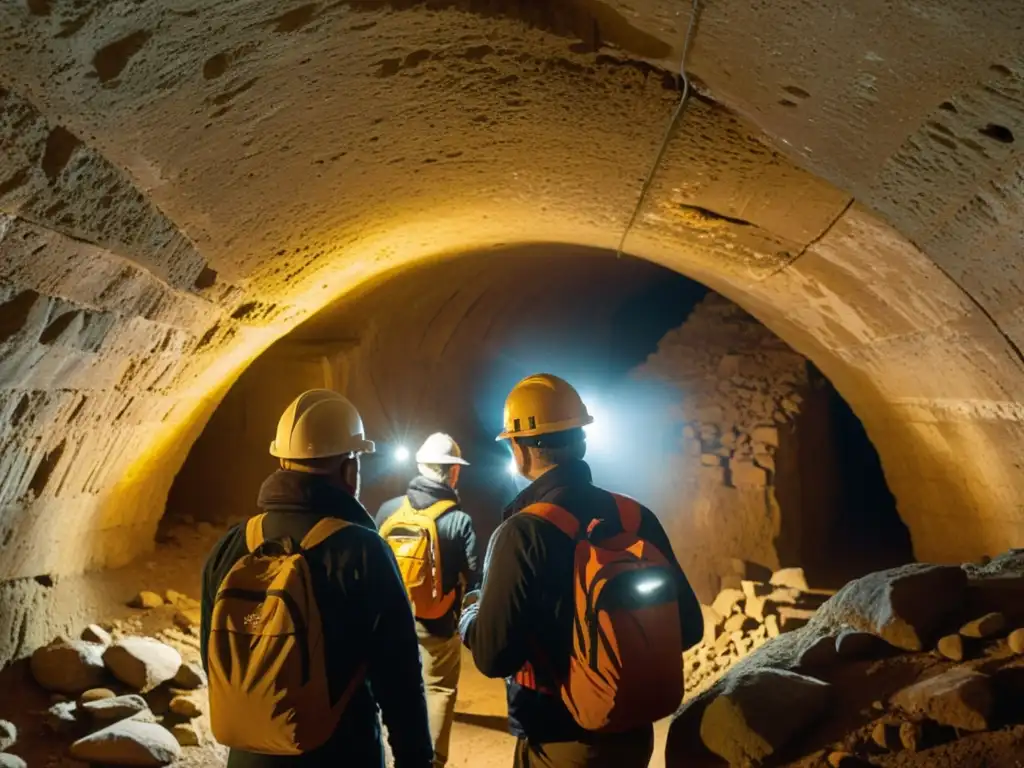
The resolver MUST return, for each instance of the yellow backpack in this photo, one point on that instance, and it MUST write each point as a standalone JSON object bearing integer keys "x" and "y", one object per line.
{"x": 269, "y": 691}
{"x": 412, "y": 536}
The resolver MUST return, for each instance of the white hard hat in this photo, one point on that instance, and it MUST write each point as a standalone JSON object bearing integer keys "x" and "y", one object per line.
{"x": 440, "y": 448}
{"x": 317, "y": 425}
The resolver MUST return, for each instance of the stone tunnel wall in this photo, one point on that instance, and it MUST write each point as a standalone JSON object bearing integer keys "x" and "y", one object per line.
{"x": 754, "y": 472}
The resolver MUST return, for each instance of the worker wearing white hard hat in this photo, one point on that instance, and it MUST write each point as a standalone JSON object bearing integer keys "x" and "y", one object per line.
{"x": 311, "y": 504}
{"x": 434, "y": 542}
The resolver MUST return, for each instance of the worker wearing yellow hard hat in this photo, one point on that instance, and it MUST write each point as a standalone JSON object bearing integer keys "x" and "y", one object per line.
{"x": 354, "y": 646}
{"x": 584, "y": 609}
{"x": 429, "y": 519}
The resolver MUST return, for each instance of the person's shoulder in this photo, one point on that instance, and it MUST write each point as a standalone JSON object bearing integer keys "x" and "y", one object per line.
{"x": 387, "y": 509}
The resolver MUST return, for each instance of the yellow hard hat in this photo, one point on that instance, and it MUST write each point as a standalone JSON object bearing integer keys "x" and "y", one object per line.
{"x": 542, "y": 404}
{"x": 319, "y": 424}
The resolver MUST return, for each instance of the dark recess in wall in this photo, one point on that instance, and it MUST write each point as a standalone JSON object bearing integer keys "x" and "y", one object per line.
{"x": 849, "y": 524}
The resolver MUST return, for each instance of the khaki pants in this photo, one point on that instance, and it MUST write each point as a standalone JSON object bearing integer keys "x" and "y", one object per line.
{"x": 628, "y": 750}
{"x": 441, "y": 659}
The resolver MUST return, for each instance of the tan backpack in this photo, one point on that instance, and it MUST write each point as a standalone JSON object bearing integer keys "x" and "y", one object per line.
{"x": 269, "y": 691}
{"x": 412, "y": 536}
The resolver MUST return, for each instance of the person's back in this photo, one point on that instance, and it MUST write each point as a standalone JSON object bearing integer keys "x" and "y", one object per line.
{"x": 369, "y": 650}
{"x": 524, "y": 627}
{"x": 433, "y": 492}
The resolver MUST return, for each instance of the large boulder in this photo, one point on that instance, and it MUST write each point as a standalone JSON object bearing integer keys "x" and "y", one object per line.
{"x": 899, "y": 605}
{"x": 129, "y": 742}
{"x": 961, "y": 698}
{"x": 759, "y": 712}
{"x": 142, "y": 662}
{"x": 68, "y": 666}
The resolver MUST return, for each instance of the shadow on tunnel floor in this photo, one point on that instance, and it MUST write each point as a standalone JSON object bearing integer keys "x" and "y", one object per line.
{"x": 491, "y": 722}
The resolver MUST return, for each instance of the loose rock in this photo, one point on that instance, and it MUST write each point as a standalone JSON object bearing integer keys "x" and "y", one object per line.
{"x": 188, "y": 618}
{"x": 846, "y": 760}
{"x": 190, "y": 677}
{"x": 728, "y": 601}
{"x": 790, "y": 577}
{"x": 95, "y": 694}
{"x": 186, "y": 734}
{"x": 912, "y": 736}
{"x": 952, "y": 647}
{"x": 987, "y": 626}
{"x": 8, "y": 735}
{"x": 1016, "y": 641}
{"x": 886, "y": 736}
{"x": 129, "y": 742}
{"x": 899, "y": 604}
{"x": 68, "y": 666}
{"x": 142, "y": 662}
{"x": 159, "y": 699}
{"x": 738, "y": 622}
{"x": 146, "y": 600}
{"x": 61, "y": 717}
{"x": 759, "y": 712}
{"x": 7, "y": 760}
{"x": 185, "y": 707}
{"x": 179, "y": 600}
{"x": 961, "y": 698}
{"x": 94, "y": 633}
{"x": 793, "y": 618}
{"x": 116, "y": 708}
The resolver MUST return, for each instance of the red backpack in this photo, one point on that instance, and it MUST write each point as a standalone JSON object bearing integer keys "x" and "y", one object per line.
{"x": 626, "y": 666}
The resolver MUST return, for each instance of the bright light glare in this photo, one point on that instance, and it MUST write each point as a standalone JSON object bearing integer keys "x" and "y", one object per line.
{"x": 401, "y": 454}
{"x": 597, "y": 433}
{"x": 648, "y": 586}
{"x": 513, "y": 469}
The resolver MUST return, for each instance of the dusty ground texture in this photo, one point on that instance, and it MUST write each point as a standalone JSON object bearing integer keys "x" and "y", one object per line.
{"x": 862, "y": 689}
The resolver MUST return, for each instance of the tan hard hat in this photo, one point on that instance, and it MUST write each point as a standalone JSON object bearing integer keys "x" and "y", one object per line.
{"x": 542, "y": 404}
{"x": 440, "y": 448}
{"x": 319, "y": 424}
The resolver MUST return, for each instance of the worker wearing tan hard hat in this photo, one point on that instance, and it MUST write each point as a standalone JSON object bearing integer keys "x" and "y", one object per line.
{"x": 585, "y": 681}
{"x": 429, "y": 520}
{"x": 357, "y": 649}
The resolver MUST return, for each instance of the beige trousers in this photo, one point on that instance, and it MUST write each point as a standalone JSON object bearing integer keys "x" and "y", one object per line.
{"x": 441, "y": 659}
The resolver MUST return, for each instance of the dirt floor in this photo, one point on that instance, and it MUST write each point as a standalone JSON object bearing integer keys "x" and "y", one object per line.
{"x": 479, "y": 738}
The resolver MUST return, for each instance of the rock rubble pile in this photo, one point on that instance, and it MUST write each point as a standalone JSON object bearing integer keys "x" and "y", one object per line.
{"x": 934, "y": 650}
{"x": 124, "y": 699}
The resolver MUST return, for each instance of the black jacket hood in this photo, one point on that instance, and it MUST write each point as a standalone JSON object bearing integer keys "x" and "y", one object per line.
{"x": 287, "y": 491}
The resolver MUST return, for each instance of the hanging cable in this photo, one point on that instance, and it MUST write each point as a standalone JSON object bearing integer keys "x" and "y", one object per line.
{"x": 680, "y": 108}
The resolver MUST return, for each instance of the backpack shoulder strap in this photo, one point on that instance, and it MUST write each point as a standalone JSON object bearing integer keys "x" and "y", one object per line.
{"x": 560, "y": 517}
{"x": 254, "y": 532}
{"x": 438, "y": 508}
{"x": 324, "y": 528}
{"x": 630, "y": 513}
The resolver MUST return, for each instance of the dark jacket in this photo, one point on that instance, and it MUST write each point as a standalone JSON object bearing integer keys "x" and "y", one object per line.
{"x": 525, "y": 611}
{"x": 366, "y": 618}
{"x": 457, "y": 539}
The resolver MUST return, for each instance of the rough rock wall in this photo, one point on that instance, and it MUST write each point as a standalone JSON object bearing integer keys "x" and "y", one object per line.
{"x": 739, "y": 390}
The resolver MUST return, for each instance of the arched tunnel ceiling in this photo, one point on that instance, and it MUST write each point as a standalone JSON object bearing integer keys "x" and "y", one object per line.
{"x": 183, "y": 181}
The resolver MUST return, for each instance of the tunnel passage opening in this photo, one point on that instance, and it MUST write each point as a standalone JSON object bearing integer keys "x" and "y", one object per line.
{"x": 669, "y": 370}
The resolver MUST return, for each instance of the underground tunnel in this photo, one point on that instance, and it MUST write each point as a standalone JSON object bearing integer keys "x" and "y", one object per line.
{"x": 746, "y": 450}
{"x": 204, "y": 207}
